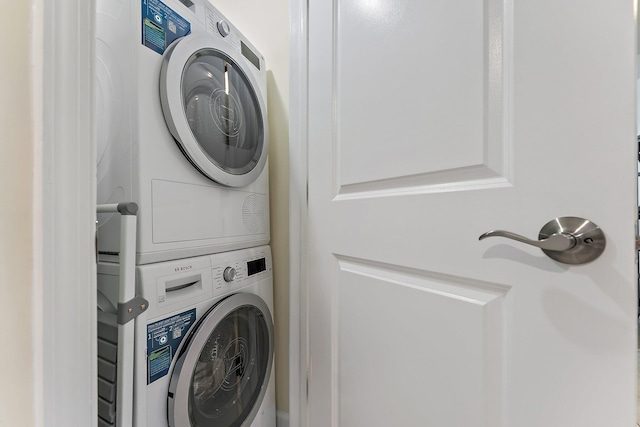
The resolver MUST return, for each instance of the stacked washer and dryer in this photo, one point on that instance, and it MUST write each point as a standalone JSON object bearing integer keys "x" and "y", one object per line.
{"x": 182, "y": 132}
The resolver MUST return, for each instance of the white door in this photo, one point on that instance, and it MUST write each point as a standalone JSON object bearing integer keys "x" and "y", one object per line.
{"x": 430, "y": 123}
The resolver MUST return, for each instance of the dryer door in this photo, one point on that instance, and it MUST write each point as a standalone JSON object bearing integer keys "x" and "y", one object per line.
{"x": 222, "y": 372}
{"x": 214, "y": 109}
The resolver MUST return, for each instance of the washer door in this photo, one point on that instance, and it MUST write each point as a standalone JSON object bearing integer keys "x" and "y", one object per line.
{"x": 222, "y": 373}
{"x": 213, "y": 108}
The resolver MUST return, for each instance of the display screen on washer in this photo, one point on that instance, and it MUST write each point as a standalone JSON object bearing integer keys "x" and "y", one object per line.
{"x": 230, "y": 370}
{"x": 248, "y": 53}
{"x": 222, "y": 111}
{"x": 256, "y": 266}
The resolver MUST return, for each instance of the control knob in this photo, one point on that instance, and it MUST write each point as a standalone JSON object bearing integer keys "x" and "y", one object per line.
{"x": 229, "y": 274}
{"x": 223, "y": 28}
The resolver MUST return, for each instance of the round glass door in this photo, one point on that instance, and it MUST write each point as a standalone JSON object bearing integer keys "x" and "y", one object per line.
{"x": 222, "y": 111}
{"x": 222, "y": 376}
{"x": 213, "y": 110}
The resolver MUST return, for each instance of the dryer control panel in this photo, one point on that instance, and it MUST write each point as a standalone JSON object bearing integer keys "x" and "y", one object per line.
{"x": 217, "y": 24}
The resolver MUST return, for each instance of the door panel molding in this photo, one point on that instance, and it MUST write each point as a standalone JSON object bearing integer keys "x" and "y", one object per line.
{"x": 469, "y": 178}
{"x": 367, "y": 295}
{"x": 468, "y": 148}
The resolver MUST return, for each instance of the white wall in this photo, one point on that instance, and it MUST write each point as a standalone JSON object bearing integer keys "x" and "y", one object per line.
{"x": 17, "y": 360}
{"x": 266, "y": 25}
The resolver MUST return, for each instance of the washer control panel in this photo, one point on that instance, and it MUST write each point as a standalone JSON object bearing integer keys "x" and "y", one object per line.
{"x": 234, "y": 270}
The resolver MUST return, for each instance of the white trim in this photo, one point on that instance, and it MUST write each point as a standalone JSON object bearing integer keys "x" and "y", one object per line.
{"x": 298, "y": 337}
{"x": 68, "y": 214}
{"x": 282, "y": 419}
{"x": 37, "y": 98}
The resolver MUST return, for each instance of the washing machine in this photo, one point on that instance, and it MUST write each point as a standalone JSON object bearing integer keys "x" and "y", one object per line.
{"x": 181, "y": 129}
{"x": 204, "y": 347}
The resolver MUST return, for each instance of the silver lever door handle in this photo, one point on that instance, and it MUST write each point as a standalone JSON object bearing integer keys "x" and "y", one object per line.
{"x": 555, "y": 242}
{"x": 570, "y": 240}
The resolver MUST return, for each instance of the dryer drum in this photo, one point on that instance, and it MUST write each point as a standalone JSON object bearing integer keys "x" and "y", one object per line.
{"x": 222, "y": 111}
{"x": 213, "y": 110}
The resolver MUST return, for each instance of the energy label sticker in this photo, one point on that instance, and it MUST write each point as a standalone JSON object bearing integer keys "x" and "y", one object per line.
{"x": 163, "y": 339}
{"x": 161, "y": 25}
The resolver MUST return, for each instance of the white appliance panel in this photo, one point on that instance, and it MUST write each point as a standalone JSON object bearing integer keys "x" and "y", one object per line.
{"x": 173, "y": 288}
{"x": 136, "y": 149}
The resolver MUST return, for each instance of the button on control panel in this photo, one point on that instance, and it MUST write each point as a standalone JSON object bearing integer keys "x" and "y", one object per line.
{"x": 229, "y": 274}
{"x": 223, "y": 28}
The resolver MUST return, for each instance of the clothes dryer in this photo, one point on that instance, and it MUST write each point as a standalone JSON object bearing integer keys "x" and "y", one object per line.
{"x": 182, "y": 129}
{"x": 204, "y": 347}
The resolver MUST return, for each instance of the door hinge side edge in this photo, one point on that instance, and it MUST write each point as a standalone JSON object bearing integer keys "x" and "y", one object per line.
{"x": 308, "y": 379}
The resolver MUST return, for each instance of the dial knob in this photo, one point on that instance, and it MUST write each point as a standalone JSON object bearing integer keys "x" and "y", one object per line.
{"x": 223, "y": 28}
{"x": 229, "y": 274}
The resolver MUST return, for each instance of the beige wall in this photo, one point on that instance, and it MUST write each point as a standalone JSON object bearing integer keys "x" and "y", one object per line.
{"x": 266, "y": 25}
{"x": 16, "y": 219}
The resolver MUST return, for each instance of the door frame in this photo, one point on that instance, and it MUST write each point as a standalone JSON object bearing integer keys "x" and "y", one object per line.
{"x": 298, "y": 167}
{"x": 65, "y": 339}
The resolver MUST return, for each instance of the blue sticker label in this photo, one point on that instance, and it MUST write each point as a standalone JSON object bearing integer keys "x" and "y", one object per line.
{"x": 163, "y": 339}
{"x": 161, "y": 25}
